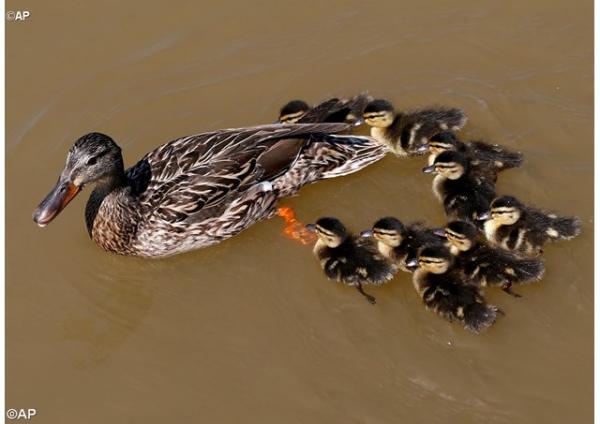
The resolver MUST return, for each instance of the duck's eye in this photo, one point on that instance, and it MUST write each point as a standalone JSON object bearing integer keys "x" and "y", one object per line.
{"x": 92, "y": 161}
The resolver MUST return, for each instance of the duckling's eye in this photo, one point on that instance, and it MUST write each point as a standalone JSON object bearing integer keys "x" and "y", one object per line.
{"x": 92, "y": 161}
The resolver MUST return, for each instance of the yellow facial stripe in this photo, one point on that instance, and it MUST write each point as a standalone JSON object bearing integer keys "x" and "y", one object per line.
{"x": 374, "y": 115}
{"x": 325, "y": 232}
{"x": 446, "y": 166}
{"x": 502, "y": 211}
{"x": 452, "y": 234}
{"x": 291, "y": 116}
{"x": 442, "y": 146}
{"x": 389, "y": 233}
{"x": 431, "y": 261}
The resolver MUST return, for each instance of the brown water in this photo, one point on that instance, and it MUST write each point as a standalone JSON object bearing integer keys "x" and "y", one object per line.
{"x": 249, "y": 331}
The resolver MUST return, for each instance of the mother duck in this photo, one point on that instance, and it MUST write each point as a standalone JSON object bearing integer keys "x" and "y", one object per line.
{"x": 199, "y": 190}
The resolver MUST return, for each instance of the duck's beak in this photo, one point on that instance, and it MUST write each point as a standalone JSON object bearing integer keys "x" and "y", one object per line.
{"x": 412, "y": 264}
{"x": 58, "y": 198}
{"x": 484, "y": 216}
{"x": 429, "y": 169}
{"x": 441, "y": 232}
{"x": 356, "y": 121}
{"x": 366, "y": 233}
{"x": 311, "y": 227}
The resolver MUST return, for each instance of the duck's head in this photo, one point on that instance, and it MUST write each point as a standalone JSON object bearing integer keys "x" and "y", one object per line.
{"x": 442, "y": 142}
{"x": 451, "y": 165}
{"x": 93, "y": 158}
{"x": 379, "y": 113}
{"x": 389, "y": 231}
{"x": 330, "y": 231}
{"x": 505, "y": 210}
{"x": 435, "y": 259}
{"x": 461, "y": 235}
{"x": 292, "y": 111}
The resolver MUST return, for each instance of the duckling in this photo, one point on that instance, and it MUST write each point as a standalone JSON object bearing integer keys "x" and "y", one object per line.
{"x": 292, "y": 111}
{"x": 348, "y": 258}
{"x": 479, "y": 169}
{"x": 486, "y": 265}
{"x": 331, "y": 110}
{"x": 524, "y": 229}
{"x": 401, "y": 244}
{"x": 441, "y": 287}
{"x": 481, "y": 154}
{"x": 407, "y": 133}
{"x": 464, "y": 193}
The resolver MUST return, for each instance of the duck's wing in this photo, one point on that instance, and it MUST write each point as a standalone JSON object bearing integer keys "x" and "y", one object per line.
{"x": 370, "y": 263}
{"x": 501, "y": 157}
{"x": 338, "y": 110}
{"x": 325, "y": 110}
{"x": 418, "y": 238}
{"x": 499, "y": 266}
{"x": 468, "y": 201}
{"x": 193, "y": 174}
{"x": 415, "y": 128}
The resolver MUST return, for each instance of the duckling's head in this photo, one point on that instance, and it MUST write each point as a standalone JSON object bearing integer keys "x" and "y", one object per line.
{"x": 389, "y": 231}
{"x": 331, "y": 231}
{"x": 93, "y": 158}
{"x": 292, "y": 111}
{"x": 442, "y": 142}
{"x": 450, "y": 164}
{"x": 379, "y": 113}
{"x": 435, "y": 259}
{"x": 461, "y": 234}
{"x": 505, "y": 210}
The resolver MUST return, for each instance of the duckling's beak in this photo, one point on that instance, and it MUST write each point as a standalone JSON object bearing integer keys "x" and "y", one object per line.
{"x": 423, "y": 148}
{"x": 441, "y": 232}
{"x": 412, "y": 264}
{"x": 311, "y": 227}
{"x": 356, "y": 120}
{"x": 58, "y": 198}
{"x": 484, "y": 216}
{"x": 366, "y": 233}
{"x": 429, "y": 169}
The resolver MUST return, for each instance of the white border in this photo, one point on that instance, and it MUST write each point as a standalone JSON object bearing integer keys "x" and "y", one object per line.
{"x": 596, "y": 204}
{"x": 2, "y": 217}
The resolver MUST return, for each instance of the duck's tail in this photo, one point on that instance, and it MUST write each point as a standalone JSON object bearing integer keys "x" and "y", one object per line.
{"x": 346, "y": 154}
{"x": 479, "y": 316}
{"x": 563, "y": 227}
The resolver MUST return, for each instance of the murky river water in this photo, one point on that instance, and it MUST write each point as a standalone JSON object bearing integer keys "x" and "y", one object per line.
{"x": 249, "y": 331}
